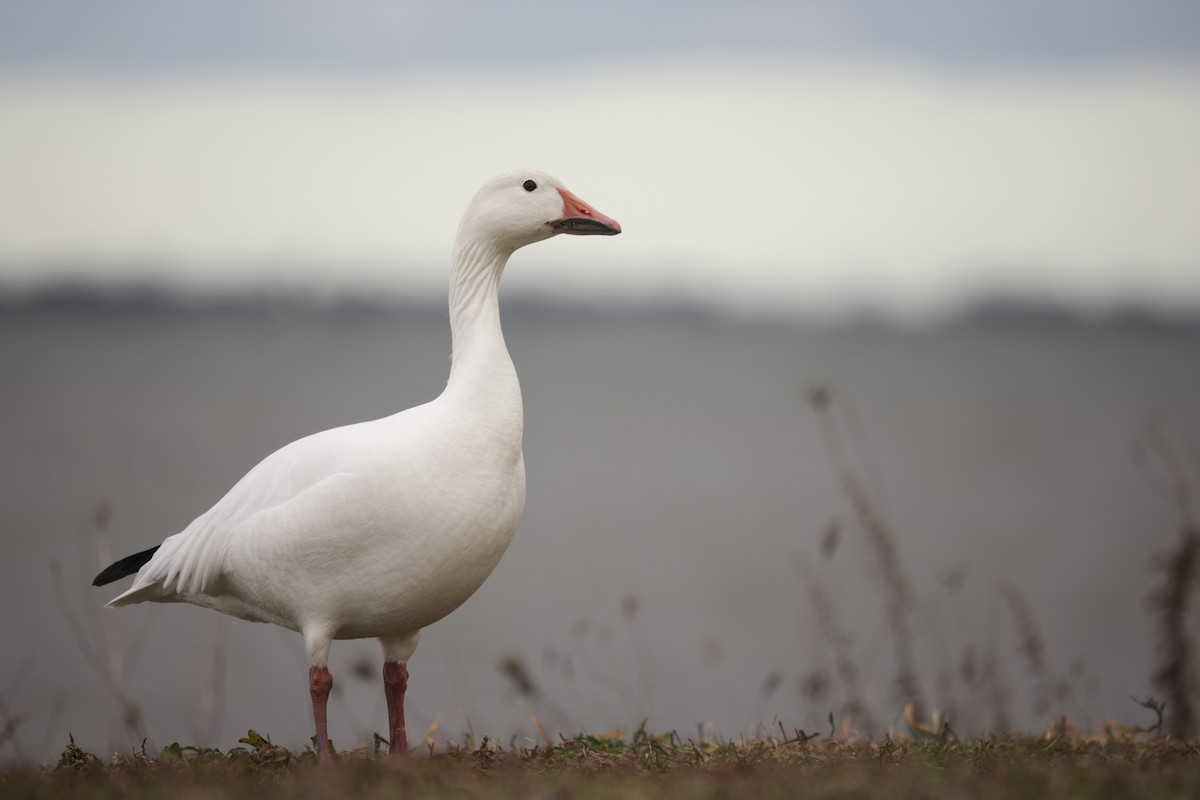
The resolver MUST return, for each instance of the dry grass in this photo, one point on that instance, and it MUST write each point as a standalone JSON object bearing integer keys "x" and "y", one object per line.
{"x": 1120, "y": 763}
{"x": 1166, "y": 466}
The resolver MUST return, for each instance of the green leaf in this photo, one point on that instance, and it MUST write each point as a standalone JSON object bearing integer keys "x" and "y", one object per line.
{"x": 171, "y": 754}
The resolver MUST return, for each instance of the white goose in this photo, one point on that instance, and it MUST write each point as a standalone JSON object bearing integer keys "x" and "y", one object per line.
{"x": 381, "y": 528}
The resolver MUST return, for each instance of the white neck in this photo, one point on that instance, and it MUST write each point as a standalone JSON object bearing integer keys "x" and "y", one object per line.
{"x": 482, "y": 376}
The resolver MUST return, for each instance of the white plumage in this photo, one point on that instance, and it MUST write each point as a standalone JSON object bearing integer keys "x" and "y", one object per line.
{"x": 381, "y": 528}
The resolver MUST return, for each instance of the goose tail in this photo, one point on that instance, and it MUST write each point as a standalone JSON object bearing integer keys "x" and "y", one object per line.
{"x": 126, "y": 566}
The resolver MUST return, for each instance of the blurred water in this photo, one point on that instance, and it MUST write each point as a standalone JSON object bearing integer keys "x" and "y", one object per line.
{"x": 675, "y": 473}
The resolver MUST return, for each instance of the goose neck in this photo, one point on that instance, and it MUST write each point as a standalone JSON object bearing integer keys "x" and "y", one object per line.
{"x": 477, "y": 342}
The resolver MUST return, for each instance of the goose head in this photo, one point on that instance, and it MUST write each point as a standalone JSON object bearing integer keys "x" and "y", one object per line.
{"x": 525, "y": 206}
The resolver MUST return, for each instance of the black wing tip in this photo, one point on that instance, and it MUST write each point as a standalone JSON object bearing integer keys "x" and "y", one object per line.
{"x": 109, "y": 574}
{"x": 126, "y": 566}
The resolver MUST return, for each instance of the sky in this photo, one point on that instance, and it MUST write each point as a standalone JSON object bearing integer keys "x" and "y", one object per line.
{"x": 815, "y": 157}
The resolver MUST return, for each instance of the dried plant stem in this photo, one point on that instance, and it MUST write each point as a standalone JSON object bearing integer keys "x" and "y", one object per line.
{"x": 839, "y": 645}
{"x": 996, "y": 690}
{"x": 108, "y": 668}
{"x": 1181, "y": 569}
{"x": 898, "y": 593}
{"x": 208, "y": 712}
{"x": 1166, "y": 470}
{"x": 1032, "y": 645}
{"x": 882, "y": 541}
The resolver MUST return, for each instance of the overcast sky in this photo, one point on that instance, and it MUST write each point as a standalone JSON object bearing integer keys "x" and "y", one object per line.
{"x": 377, "y": 35}
{"x": 819, "y": 156}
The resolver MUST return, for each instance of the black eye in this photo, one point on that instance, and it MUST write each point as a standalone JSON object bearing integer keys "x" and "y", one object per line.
{"x": 529, "y": 186}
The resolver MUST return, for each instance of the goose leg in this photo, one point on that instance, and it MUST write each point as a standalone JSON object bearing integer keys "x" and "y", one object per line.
{"x": 396, "y": 652}
{"x": 317, "y": 639}
{"x": 319, "y": 684}
{"x": 395, "y": 682}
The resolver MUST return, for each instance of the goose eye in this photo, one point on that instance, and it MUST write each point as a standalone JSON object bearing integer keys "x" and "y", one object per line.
{"x": 529, "y": 186}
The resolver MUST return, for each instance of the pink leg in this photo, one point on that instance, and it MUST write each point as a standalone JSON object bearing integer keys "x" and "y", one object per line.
{"x": 395, "y": 681}
{"x": 319, "y": 684}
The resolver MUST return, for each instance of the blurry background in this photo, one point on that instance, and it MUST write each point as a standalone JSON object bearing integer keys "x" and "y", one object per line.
{"x": 931, "y": 264}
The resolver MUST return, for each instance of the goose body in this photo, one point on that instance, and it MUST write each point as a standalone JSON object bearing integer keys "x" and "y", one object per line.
{"x": 381, "y": 528}
{"x": 354, "y": 532}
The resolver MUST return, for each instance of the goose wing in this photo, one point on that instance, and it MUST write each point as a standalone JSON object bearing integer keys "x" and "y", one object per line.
{"x": 189, "y": 561}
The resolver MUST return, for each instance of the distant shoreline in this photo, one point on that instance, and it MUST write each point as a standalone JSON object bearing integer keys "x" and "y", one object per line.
{"x": 991, "y": 313}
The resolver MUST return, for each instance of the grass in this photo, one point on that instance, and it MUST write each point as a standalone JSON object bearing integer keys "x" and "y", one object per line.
{"x": 1060, "y": 764}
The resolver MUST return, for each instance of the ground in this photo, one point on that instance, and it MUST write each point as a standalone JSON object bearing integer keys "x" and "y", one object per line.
{"x": 1058, "y": 764}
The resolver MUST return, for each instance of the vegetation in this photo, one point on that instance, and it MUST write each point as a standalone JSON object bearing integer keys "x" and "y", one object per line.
{"x": 1122, "y": 762}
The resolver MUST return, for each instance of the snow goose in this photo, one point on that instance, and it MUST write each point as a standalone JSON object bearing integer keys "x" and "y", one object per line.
{"x": 381, "y": 528}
